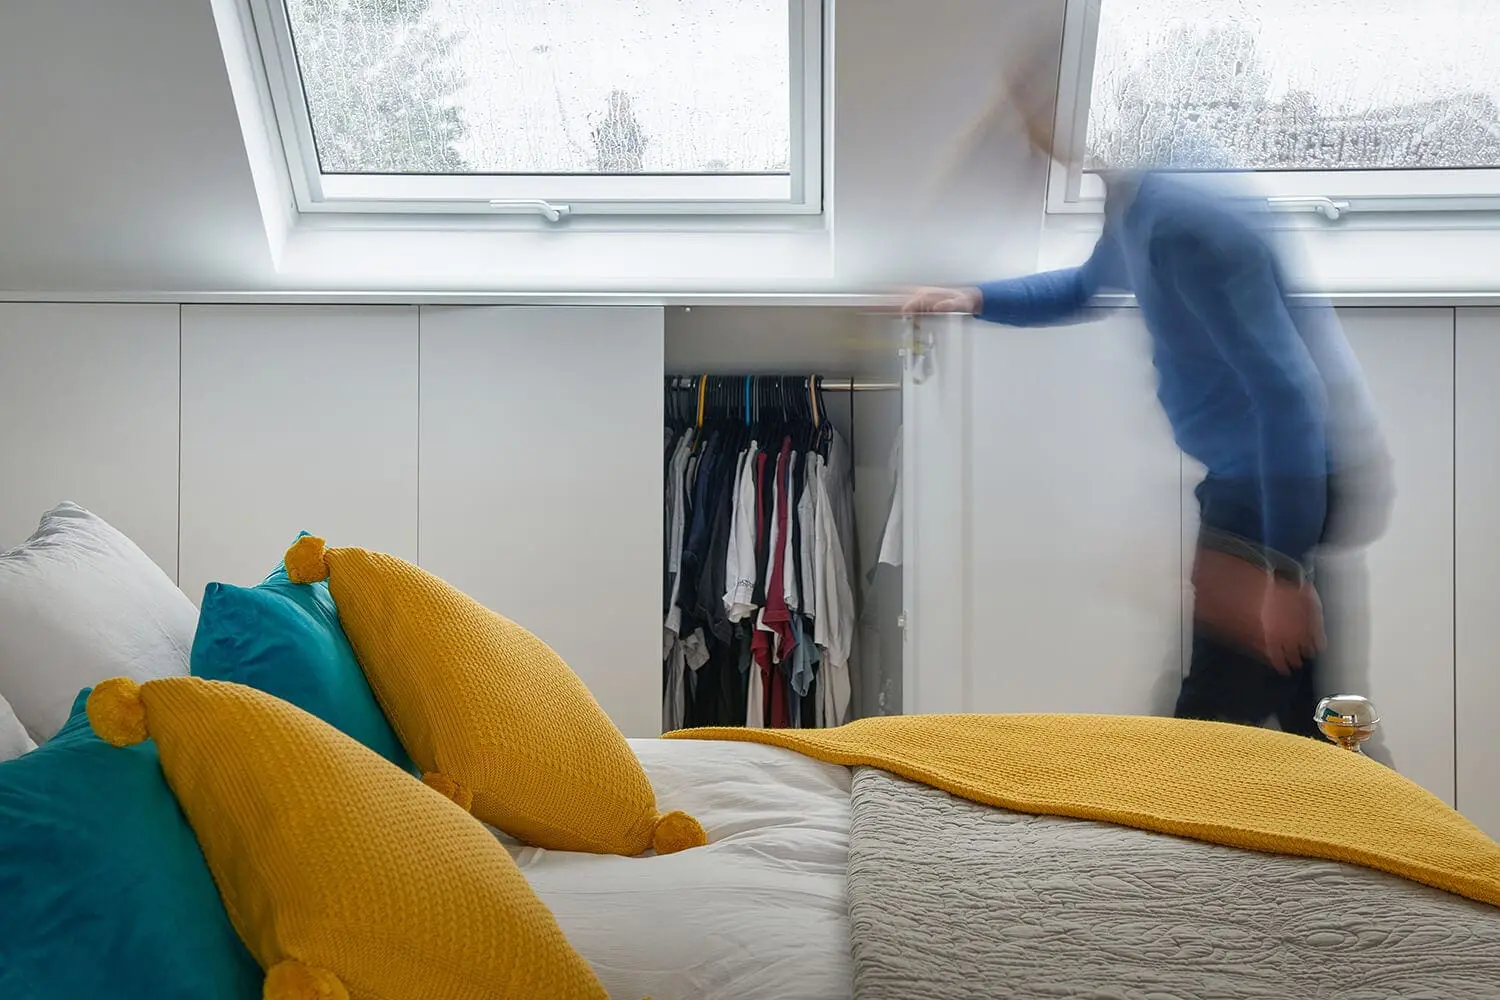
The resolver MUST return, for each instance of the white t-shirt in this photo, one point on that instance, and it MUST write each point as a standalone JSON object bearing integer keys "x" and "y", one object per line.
{"x": 807, "y": 508}
{"x": 833, "y": 629}
{"x": 739, "y": 564}
{"x": 890, "y": 539}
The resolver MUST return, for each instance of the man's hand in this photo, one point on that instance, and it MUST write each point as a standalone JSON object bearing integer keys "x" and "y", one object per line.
{"x": 1291, "y": 625}
{"x": 1279, "y": 621}
{"x": 943, "y": 300}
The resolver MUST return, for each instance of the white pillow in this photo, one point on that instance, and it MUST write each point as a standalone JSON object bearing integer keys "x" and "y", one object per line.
{"x": 79, "y": 602}
{"x": 13, "y": 739}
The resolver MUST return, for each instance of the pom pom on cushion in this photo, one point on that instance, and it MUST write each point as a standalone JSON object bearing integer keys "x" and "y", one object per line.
{"x": 295, "y": 981}
{"x": 103, "y": 888}
{"x": 677, "y": 831}
{"x": 285, "y": 639}
{"x": 306, "y": 560}
{"x": 116, "y": 712}
{"x": 373, "y": 847}
{"x": 454, "y": 791}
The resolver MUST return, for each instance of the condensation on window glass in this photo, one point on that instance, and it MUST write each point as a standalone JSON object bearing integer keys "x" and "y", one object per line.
{"x": 547, "y": 86}
{"x": 1296, "y": 84}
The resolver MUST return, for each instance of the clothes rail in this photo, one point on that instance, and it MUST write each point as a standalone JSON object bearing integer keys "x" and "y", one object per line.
{"x": 829, "y": 384}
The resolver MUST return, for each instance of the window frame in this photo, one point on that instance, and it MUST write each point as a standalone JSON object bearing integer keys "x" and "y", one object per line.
{"x": 1331, "y": 195}
{"x": 559, "y": 196}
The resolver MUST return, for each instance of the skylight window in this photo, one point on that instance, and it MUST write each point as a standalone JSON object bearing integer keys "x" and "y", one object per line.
{"x": 1333, "y": 104}
{"x": 552, "y": 107}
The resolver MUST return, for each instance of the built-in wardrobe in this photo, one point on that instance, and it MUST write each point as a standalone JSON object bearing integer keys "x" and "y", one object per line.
{"x": 1046, "y": 516}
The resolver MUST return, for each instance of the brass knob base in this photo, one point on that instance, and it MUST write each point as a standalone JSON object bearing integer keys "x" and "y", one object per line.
{"x": 1347, "y": 720}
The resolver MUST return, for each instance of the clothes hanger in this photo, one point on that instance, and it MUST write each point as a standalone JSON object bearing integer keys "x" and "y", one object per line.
{"x": 777, "y": 407}
{"x": 700, "y": 387}
{"x": 789, "y": 396}
{"x": 758, "y": 430}
{"x": 825, "y": 427}
{"x": 793, "y": 389}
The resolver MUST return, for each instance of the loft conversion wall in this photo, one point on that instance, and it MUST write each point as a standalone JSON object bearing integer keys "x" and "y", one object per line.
{"x": 127, "y": 170}
{"x": 136, "y": 166}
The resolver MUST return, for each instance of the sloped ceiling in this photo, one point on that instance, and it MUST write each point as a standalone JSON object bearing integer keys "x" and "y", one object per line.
{"x": 123, "y": 166}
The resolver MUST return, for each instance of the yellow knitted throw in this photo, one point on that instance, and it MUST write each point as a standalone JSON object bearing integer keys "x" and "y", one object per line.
{"x": 1235, "y": 785}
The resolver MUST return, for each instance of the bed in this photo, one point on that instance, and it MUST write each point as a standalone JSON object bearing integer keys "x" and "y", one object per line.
{"x": 818, "y": 881}
{"x": 824, "y": 882}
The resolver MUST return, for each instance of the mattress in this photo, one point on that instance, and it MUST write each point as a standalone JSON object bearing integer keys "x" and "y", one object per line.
{"x": 761, "y": 913}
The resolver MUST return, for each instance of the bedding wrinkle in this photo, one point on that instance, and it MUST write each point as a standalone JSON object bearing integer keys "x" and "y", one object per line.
{"x": 760, "y": 913}
{"x": 1029, "y": 907}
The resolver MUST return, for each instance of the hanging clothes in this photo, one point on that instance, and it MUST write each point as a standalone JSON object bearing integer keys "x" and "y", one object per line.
{"x": 834, "y": 623}
{"x": 759, "y": 567}
{"x": 674, "y": 694}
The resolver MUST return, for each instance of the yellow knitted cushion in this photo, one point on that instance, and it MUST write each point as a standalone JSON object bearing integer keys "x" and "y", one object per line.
{"x": 493, "y": 717}
{"x": 344, "y": 876}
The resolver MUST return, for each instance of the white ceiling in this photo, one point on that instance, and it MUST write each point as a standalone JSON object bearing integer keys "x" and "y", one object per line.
{"x": 123, "y": 163}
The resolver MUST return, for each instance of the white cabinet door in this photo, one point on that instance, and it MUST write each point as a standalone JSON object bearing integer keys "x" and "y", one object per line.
{"x": 1050, "y": 518}
{"x": 1045, "y": 499}
{"x": 935, "y": 526}
{"x": 1478, "y": 567}
{"x": 1389, "y": 608}
{"x": 1391, "y": 619}
{"x": 89, "y": 396}
{"x": 541, "y": 483}
{"x": 295, "y": 418}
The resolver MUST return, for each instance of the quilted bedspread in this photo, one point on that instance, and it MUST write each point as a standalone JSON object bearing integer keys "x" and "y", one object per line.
{"x": 951, "y": 899}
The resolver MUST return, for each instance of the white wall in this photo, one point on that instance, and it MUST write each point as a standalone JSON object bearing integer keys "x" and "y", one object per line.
{"x": 126, "y": 169}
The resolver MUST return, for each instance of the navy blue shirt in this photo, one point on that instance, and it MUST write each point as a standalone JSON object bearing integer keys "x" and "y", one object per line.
{"x": 1237, "y": 378}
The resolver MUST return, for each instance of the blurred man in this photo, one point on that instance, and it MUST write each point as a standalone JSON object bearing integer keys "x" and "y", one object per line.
{"x": 1267, "y": 397}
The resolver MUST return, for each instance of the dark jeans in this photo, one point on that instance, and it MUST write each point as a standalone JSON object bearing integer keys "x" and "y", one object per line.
{"x": 1226, "y": 683}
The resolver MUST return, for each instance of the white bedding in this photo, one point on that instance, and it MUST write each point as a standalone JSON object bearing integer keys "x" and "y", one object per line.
{"x": 761, "y": 913}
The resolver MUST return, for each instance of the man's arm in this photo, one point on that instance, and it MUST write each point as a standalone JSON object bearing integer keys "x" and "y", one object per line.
{"x": 1035, "y": 300}
{"x": 1229, "y": 284}
{"x": 1052, "y": 296}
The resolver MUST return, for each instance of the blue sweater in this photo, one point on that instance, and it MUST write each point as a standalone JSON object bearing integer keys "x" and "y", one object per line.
{"x": 1239, "y": 384}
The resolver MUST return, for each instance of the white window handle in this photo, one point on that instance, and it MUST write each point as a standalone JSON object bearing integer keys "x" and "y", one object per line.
{"x": 549, "y": 211}
{"x": 1326, "y": 207}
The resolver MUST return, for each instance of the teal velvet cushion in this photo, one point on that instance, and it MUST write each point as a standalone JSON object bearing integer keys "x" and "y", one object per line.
{"x": 285, "y": 639}
{"x": 103, "y": 889}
